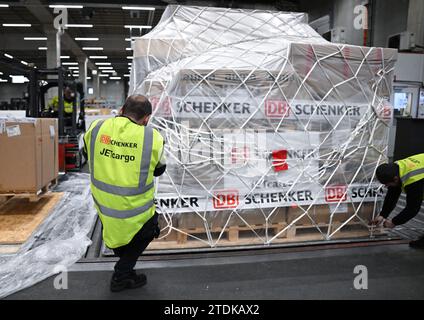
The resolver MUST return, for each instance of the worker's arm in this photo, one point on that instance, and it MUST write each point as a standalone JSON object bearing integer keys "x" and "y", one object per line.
{"x": 161, "y": 166}
{"x": 414, "y": 198}
{"x": 390, "y": 201}
{"x": 53, "y": 103}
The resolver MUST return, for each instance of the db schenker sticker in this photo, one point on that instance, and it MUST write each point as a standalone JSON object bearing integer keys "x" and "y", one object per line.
{"x": 226, "y": 199}
{"x": 335, "y": 193}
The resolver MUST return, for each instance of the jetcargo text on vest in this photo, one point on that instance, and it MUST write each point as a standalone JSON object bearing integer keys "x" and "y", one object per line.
{"x": 105, "y": 139}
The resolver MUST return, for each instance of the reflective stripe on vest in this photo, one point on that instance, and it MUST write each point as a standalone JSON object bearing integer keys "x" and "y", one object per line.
{"x": 412, "y": 174}
{"x": 144, "y": 166}
{"x": 123, "y": 214}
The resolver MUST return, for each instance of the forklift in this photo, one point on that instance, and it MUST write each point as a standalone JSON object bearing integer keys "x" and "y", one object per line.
{"x": 71, "y": 129}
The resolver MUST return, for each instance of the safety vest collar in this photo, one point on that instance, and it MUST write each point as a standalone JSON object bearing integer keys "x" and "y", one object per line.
{"x": 144, "y": 166}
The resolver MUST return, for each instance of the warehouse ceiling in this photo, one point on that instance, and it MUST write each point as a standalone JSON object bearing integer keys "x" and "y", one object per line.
{"x": 108, "y": 19}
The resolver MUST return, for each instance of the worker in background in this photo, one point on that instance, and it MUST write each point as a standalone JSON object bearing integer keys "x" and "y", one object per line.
{"x": 124, "y": 155}
{"x": 403, "y": 175}
{"x": 68, "y": 105}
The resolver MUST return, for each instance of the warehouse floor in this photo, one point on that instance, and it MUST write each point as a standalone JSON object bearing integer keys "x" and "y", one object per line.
{"x": 395, "y": 272}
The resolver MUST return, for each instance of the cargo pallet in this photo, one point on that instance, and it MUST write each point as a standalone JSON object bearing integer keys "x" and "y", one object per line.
{"x": 33, "y": 196}
{"x": 20, "y": 218}
{"x": 243, "y": 235}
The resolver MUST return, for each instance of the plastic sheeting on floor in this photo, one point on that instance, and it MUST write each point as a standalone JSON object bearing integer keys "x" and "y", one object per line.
{"x": 59, "y": 242}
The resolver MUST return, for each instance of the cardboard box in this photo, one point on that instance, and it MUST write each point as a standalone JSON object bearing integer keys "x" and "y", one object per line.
{"x": 29, "y": 154}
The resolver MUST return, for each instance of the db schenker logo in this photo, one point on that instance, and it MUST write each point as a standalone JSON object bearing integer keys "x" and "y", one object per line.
{"x": 335, "y": 194}
{"x": 276, "y": 109}
{"x": 105, "y": 139}
{"x": 226, "y": 199}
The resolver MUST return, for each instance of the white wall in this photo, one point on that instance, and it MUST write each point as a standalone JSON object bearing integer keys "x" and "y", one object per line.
{"x": 390, "y": 17}
{"x": 112, "y": 90}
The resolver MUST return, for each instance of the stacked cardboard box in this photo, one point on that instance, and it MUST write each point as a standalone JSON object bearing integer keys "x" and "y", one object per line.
{"x": 29, "y": 154}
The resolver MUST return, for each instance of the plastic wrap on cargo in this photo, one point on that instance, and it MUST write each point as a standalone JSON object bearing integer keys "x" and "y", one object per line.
{"x": 59, "y": 242}
{"x": 260, "y": 113}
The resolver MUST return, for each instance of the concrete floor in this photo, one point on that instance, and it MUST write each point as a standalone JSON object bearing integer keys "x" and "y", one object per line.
{"x": 395, "y": 272}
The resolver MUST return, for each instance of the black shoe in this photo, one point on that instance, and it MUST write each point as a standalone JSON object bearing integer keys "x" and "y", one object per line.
{"x": 131, "y": 281}
{"x": 417, "y": 244}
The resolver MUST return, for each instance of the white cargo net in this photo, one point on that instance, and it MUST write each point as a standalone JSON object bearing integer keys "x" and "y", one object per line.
{"x": 262, "y": 117}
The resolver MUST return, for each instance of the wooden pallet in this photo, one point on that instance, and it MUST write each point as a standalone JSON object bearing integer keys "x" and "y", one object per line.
{"x": 19, "y": 218}
{"x": 243, "y": 235}
{"x": 32, "y": 196}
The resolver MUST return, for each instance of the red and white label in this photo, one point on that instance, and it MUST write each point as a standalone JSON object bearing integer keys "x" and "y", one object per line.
{"x": 279, "y": 158}
{"x": 386, "y": 112}
{"x": 276, "y": 109}
{"x": 335, "y": 194}
{"x": 226, "y": 199}
{"x": 239, "y": 155}
{"x": 164, "y": 107}
{"x": 105, "y": 139}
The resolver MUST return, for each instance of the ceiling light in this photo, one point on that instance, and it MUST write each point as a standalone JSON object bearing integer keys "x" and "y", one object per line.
{"x": 4, "y": 6}
{"x": 87, "y": 39}
{"x": 25, "y": 63}
{"x": 108, "y": 71}
{"x": 105, "y": 68}
{"x": 102, "y": 63}
{"x": 128, "y": 49}
{"x": 137, "y": 27}
{"x": 19, "y": 79}
{"x": 88, "y": 78}
{"x": 139, "y": 8}
{"x": 3, "y": 80}
{"x": 65, "y": 6}
{"x": 98, "y": 57}
{"x": 79, "y": 26}
{"x": 126, "y": 75}
{"x": 8, "y": 55}
{"x": 115, "y": 78}
{"x": 35, "y": 38}
{"x": 69, "y": 63}
{"x": 129, "y": 57}
{"x": 1, "y": 73}
{"x": 16, "y": 25}
{"x": 92, "y": 48}
{"x": 73, "y": 68}
{"x": 129, "y": 63}
{"x": 42, "y": 48}
{"x": 103, "y": 75}
{"x": 64, "y": 57}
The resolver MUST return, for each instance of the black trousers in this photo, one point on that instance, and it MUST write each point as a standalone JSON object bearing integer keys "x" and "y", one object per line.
{"x": 129, "y": 253}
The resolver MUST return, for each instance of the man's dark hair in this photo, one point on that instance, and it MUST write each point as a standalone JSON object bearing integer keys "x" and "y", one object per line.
{"x": 137, "y": 106}
{"x": 387, "y": 172}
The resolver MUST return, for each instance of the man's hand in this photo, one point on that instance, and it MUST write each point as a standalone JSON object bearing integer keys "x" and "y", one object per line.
{"x": 388, "y": 224}
{"x": 380, "y": 221}
{"x": 377, "y": 221}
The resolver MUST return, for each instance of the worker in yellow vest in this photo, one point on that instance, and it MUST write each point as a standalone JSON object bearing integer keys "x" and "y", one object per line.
{"x": 68, "y": 100}
{"x": 403, "y": 175}
{"x": 68, "y": 105}
{"x": 124, "y": 156}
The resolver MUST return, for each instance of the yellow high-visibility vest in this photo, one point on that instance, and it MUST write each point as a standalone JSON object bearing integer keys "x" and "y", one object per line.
{"x": 122, "y": 157}
{"x": 411, "y": 169}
